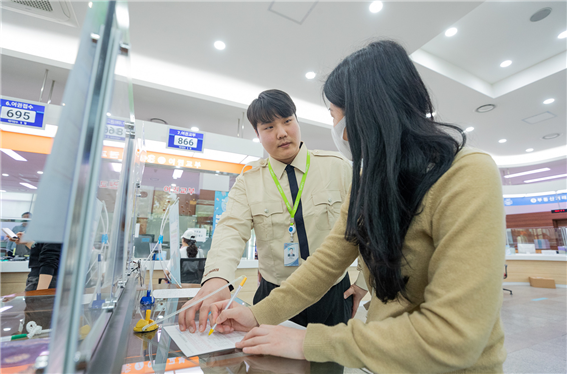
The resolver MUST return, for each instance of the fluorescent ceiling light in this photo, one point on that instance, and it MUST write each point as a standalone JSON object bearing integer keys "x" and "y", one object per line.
{"x": 502, "y": 141}
{"x": 173, "y": 185}
{"x": 310, "y": 75}
{"x": 539, "y": 194}
{"x": 527, "y": 173}
{"x": 116, "y": 167}
{"x": 562, "y": 35}
{"x": 6, "y": 329}
{"x": 40, "y": 172}
{"x": 28, "y": 185}
{"x": 5, "y": 174}
{"x": 505, "y": 63}
{"x": 90, "y": 4}
{"x": 451, "y": 32}
{"x": 177, "y": 173}
{"x": 546, "y": 178}
{"x": 514, "y": 195}
{"x": 469, "y": 129}
{"x": 376, "y": 6}
{"x": 549, "y": 101}
{"x": 219, "y": 45}
{"x": 256, "y": 140}
{"x": 13, "y": 154}
{"x": 529, "y": 150}
{"x": 194, "y": 128}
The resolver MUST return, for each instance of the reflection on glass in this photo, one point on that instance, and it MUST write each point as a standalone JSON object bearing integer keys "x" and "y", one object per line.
{"x": 540, "y": 240}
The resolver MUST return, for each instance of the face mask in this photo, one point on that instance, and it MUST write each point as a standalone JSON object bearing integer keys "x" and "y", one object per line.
{"x": 337, "y": 133}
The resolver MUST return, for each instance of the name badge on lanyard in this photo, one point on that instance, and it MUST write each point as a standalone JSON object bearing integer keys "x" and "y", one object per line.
{"x": 291, "y": 249}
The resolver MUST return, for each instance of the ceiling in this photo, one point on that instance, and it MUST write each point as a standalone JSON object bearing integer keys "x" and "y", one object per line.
{"x": 178, "y": 76}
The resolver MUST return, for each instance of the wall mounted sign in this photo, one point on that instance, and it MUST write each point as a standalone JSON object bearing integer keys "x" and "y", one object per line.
{"x": 18, "y": 113}
{"x": 180, "y": 139}
{"x": 559, "y": 211}
{"x": 114, "y": 129}
{"x": 539, "y": 200}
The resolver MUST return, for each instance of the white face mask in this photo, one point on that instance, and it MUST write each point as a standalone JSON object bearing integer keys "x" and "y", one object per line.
{"x": 337, "y": 133}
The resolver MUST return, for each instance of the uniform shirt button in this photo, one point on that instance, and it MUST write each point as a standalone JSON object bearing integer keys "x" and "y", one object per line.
{"x": 266, "y": 211}
{"x": 330, "y": 200}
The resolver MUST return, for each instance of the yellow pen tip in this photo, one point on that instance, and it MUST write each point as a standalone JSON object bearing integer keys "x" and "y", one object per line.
{"x": 211, "y": 332}
{"x": 242, "y": 283}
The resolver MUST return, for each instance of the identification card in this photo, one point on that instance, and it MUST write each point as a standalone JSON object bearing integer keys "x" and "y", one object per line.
{"x": 291, "y": 254}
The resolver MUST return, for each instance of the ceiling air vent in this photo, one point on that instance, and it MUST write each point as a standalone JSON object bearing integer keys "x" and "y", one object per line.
{"x": 57, "y": 11}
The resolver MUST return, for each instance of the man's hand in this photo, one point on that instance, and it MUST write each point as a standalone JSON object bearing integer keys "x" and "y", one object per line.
{"x": 19, "y": 240}
{"x": 357, "y": 293}
{"x": 235, "y": 318}
{"x": 187, "y": 318}
{"x": 274, "y": 340}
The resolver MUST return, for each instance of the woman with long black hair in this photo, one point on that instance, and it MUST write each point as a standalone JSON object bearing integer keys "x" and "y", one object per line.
{"x": 425, "y": 215}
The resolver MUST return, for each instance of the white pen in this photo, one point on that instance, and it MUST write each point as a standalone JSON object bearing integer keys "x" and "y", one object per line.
{"x": 229, "y": 302}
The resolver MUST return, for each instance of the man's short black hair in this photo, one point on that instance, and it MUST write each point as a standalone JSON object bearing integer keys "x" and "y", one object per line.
{"x": 269, "y": 105}
{"x": 26, "y": 213}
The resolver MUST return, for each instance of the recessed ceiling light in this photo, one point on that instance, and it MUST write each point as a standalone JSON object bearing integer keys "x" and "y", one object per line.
{"x": 219, "y": 45}
{"x": 40, "y": 172}
{"x": 310, "y": 75}
{"x": 256, "y": 140}
{"x": 527, "y": 173}
{"x": 194, "y": 128}
{"x": 173, "y": 185}
{"x": 546, "y": 178}
{"x": 485, "y": 108}
{"x": 502, "y": 141}
{"x": 90, "y": 4}
{"x": 505, "y": 63}
{"x": 550, "y": 136}
{"x": 158, "y": 120}
{"x": 562, "y": 35}
{"x": 529, "y": 150}
{"x": 451, "y": 32}
{"x": 549, "y": 101}
{"x": 13, "y": 155}
{"x": 63, "y": 104}
{"x": 108, "y": 114}
{"x": 5, "y": 174}
{"x": 375, "y": 6}
{"x": 28, "y": 185}
{"x": 469, "y": 129}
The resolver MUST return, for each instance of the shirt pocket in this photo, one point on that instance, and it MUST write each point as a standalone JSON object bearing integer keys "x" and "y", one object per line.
{"x": 268, "y": 220}
{"x": 327, "y": 204}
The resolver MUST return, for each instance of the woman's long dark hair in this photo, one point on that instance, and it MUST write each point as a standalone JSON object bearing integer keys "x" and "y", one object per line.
{"x": 405, "y": 151}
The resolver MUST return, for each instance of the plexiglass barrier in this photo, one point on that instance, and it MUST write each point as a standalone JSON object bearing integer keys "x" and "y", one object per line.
{"x": 536, "y": 240}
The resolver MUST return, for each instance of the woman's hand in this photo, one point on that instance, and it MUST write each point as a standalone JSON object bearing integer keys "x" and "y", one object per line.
{"x": 274, "y": 340}
{"x": 357, "y": 293}
{"x": 19, "y": 240}
{"x": 235, "y": 318}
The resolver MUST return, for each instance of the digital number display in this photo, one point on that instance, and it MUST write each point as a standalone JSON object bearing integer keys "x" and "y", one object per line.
{"x": 181, "y": 139}
{"x": 559, "y": 211}
{"x": 114, "y": 131}
{"x": 185, "y": 142}
{"x": 18, "y": 114}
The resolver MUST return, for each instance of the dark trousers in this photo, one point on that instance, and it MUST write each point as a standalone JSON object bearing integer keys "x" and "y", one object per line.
{"x": 331, "y": 310}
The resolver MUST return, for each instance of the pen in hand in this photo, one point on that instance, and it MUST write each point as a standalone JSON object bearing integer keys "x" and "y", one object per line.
{"x": 229, "y": 302}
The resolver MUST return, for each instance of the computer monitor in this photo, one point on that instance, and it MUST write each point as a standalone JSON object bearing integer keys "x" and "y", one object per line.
{"x": 192, "y": 270}
{"x": 142, "y": 245}
{"x": 151, "y": 236}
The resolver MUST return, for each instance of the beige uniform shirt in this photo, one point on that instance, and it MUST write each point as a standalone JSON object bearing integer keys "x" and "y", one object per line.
{"x": 255, "y": 202}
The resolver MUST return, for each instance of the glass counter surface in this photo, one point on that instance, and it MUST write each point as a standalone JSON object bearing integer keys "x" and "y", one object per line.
{"x": 146, "y": 353}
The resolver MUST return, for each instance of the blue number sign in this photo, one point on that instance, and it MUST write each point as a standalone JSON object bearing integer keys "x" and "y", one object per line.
{"x": 17, "y": 113}
{"x": 185, "y": 140}
{"x": 114, "y": 129}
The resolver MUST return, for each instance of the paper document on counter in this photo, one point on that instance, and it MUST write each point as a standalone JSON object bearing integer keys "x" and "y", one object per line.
{"x": 176, "y": 293}
{"x": 194, "y": 344}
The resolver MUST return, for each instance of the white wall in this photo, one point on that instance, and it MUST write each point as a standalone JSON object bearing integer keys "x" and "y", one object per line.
{"x": 13, "y": 205}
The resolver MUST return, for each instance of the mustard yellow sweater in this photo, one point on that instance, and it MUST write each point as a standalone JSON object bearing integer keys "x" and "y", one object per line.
{"x": 455, "y": 253}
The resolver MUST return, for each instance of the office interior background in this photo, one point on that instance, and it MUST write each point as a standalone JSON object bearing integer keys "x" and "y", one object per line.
{"x": 497, "y": 69}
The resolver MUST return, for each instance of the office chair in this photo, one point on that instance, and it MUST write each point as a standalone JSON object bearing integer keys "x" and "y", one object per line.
{"x": 192, "y": 270}
{"x": 506, "y": 276}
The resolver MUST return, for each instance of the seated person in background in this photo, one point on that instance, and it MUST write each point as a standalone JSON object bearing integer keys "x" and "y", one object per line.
{"x": 44, "y": 264}
{"x": 19, "y": 228}
{"x": 188, "y": 247}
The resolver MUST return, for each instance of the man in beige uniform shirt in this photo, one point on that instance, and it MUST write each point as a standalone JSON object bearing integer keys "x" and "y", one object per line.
{"x": 256, "y": 201}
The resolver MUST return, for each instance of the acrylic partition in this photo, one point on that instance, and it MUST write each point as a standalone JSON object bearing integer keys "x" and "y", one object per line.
{"x": 536, "y": 240}
{"x": 93, "y": 168}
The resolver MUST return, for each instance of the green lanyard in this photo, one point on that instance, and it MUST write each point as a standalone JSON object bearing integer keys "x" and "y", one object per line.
{"x": 300, "y": 191}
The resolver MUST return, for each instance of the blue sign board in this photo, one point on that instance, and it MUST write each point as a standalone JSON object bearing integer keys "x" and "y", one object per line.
{"x": 180, "y": 139}
{"x": 115, "y": 129}
{"x": 539, "y": 200}
{"x": 17, "y": 113}
{"x": 221, "y": 198}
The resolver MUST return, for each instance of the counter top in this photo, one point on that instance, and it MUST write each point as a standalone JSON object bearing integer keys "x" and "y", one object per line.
{"x": 537, "y": 257}
{"x": 14, "y": 266}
